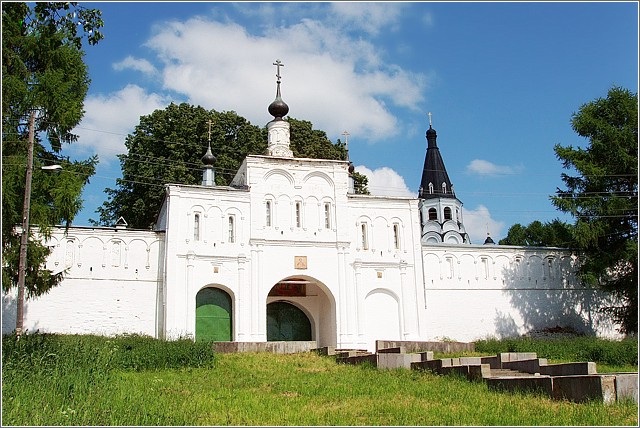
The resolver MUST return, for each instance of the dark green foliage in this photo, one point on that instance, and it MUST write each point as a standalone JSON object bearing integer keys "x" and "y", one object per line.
{"x": 582, "y": 348}
{"x": 43, "y": 72}
{"x": 71, "y": 353}
{"x": 603, "y": 197}
{"x": 307, "y": 142}
{"x": 146, "y": 353}
{"x": 69, "y": 371}
{"x": 167, "y": 148}
{"x": 360, "y": 183}
{"x": 537, "y": 234}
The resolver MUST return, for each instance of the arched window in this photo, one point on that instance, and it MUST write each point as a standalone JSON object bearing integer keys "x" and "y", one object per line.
{"x": 232, "y": 229}
{"x": 327, "y": 215}
{"x": 447, "y": 213}
{"x": 115, "y": 253}
{"x": 298, "y": 214}
{"x": 268, "y": 213}
{"x": 485, "y": 267}
{"x": 396, "y": 236}
{"x": 450, "y": 265}
{"x": 549, "y": 269}
{"x": 365, "y": 239}
{"x": 444, "y": 187}
{"x": 70, "y": 251}
{"x": 433, "y": 214}
{"x": 431, "y": 188}
{"x": 196, "y": 227}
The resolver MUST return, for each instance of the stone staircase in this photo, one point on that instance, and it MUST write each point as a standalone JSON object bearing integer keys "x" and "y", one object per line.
{"x": 509, "y": 371}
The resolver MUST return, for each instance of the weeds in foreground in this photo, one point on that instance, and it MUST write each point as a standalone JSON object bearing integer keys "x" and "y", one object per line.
{"x": 87, "y": 380}
{"x": 579, "y": 348}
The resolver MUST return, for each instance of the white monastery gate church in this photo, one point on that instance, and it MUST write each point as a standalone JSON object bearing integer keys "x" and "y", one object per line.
{"x": 288, "y": 251}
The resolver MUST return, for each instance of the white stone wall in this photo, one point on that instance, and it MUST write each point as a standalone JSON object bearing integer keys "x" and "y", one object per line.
{"x": 369, "y": 276}
{"x": 481, "y": 291}
{"x": 309, "y": 215}
{"x": 211, "y": 258}
{"x": 385, "y": 268}
{"x": 110, "y": 285}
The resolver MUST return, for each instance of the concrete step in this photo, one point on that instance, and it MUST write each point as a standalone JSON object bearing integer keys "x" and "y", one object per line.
{"x": 508, "y": 373}
{"x": 345, "y": 353}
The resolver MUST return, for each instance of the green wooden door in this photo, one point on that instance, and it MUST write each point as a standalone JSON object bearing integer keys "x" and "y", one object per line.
{"x": 286, "y": 322}
{"x": 213, "y": 315}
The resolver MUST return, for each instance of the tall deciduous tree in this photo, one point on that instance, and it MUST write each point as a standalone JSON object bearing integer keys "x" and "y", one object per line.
{"x": 307, "y": 142}
{"x": 537, "y": 234}
{"x": 167, "y": 147}
{"x": 602, "y": 194}
{"x": 43, "y": 73}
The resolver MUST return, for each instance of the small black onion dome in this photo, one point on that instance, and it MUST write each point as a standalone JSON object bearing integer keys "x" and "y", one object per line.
{"x": 351, "y": 168}
{"x": 489, "y": 240}
{"x": 208, "y": 159}
{"x": 278, "y": 108}
{"x": 431, "y": 132}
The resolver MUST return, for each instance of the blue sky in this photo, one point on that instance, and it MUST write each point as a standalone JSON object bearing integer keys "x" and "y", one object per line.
{"x": 501, "y": 80}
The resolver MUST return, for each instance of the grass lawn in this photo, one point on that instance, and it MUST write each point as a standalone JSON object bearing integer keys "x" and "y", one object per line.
{"x": 109, "y": 382}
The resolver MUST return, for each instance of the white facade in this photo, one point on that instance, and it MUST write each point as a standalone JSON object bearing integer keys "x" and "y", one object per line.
{"x": 479, "y": 291}
{"x": 287, "y": 251}
{"x": 357, "y": 254}
{"x": 366, "y": 273}
{"x": 111, "y": 285}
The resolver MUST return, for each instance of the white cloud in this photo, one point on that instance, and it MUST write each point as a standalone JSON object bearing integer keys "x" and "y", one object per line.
{"x": 483, "y": 167}
{"x": 334, "y": 81}
{"x": 372, "y": 17}
{"x": 131, "y": 63}
{"x": 478, "y": 223}
{"x": 109, "y": 119}
{"x": 385, "y": 182}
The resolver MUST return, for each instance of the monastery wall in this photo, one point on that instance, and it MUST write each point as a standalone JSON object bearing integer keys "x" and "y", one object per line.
{"x": 480, "y": 291}
{"x": 110, "y": 285}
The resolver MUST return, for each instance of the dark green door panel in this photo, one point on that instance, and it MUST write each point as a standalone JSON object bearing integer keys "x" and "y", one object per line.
{"x": 287, "y": 322}
{"x": 213, "y": 315}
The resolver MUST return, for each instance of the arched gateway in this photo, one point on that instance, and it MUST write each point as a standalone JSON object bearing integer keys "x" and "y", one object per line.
{"x": 287, "y": 322}
{"x": 213, "y": 315}
{"x": 301, "y": 308}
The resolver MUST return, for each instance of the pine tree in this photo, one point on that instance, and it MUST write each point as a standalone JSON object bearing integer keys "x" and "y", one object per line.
{"x": 45, "y": 78}
{"x": 602, "y": 195}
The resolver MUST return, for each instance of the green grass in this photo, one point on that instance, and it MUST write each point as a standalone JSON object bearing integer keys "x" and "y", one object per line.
{"x": 76, "y": 380}
{"x": 610, "y": 356}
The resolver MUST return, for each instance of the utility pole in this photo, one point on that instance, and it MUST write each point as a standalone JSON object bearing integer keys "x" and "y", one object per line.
{"x": 24, "y": 239}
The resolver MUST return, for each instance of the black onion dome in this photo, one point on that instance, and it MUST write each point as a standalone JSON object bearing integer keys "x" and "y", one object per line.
{"x": 434, "y": 172}
{"x": 351, "y": 168}
{"x": 278, "y": 108}
{"x": 208, "y": 159}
